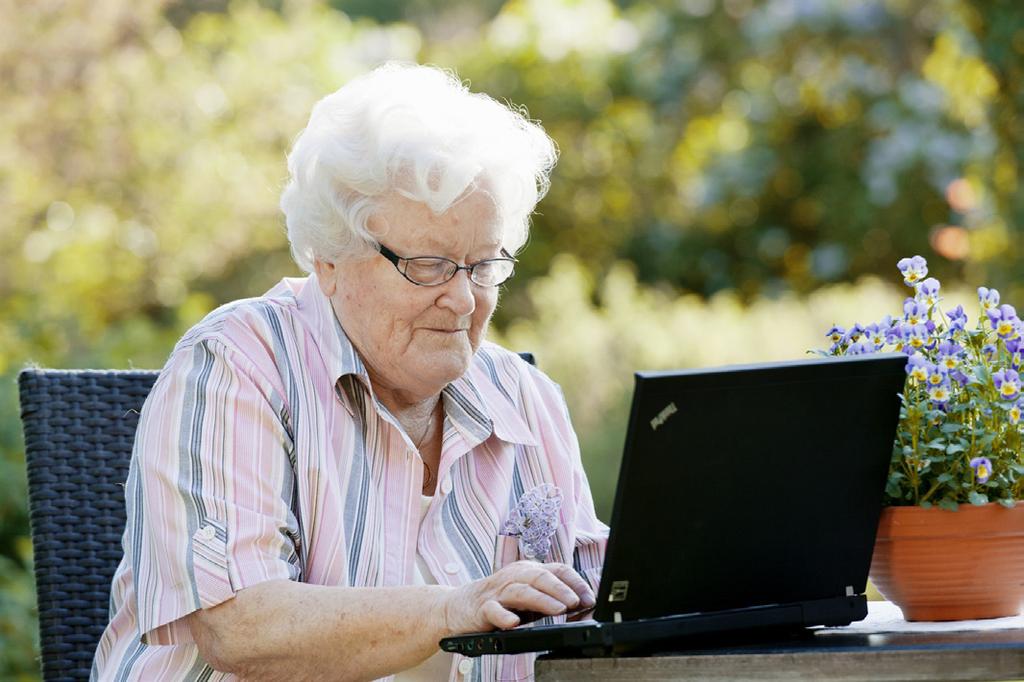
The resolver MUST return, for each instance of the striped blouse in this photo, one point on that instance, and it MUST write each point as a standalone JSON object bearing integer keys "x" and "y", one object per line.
{"x": 262, "y": 454}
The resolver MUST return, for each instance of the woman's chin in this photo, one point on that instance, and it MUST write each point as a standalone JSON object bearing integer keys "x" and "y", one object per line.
{"x": 445, "y": 367}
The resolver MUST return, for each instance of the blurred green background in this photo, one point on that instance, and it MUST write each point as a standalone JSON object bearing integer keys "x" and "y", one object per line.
{"x": 735, "y": 177}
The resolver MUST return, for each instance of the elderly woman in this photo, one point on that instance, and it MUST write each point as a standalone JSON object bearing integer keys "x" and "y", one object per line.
{"x": 330, "y": 478}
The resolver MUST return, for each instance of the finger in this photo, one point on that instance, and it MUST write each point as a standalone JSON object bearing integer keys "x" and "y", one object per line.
{"x": 498, "y": 616}
{"x": 568, "y": 575}
{"x": 524, "y": 597}
{"x": 551, "y": 584}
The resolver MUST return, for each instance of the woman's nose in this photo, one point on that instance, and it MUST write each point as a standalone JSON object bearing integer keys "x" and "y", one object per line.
{"x": 458, "y": 295}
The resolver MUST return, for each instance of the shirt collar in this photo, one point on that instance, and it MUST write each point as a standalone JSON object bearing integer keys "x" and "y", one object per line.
{"x": 338, "y": 353}
{"x": 473, "y": 403}
{"x": 478, "y": 408}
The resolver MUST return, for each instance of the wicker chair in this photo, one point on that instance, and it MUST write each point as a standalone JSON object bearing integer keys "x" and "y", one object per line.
{"x": 79, "y": 429}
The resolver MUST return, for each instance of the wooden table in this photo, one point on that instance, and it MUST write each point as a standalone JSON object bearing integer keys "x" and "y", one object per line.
{"x": 825, "y": 653}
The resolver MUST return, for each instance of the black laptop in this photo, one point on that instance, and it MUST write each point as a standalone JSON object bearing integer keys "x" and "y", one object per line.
{"x": 748, "y": 497}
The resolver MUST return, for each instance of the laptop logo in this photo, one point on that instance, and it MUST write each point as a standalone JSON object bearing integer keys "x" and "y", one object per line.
{"x": 620, "y": 588}
{"x": 663, "y": 416}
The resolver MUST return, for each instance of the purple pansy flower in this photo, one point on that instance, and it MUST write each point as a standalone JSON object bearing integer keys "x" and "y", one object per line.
{"x": 1015, "y": 347}
{"x": 1015, "y": 411}
{"x": 861, "y": 348}
{"x": 982, "y": 468}
{"x": 894, "y": 335}
{"x": 914, "y": 269}
{"x": 937, "y": 375}
{"x": 940, "y": 393}
{"x": 1003, "y": 320}
{"x": 928, "y": 292}
{"x": 959, "y": 377}
{"x": 989, "y": 298}
{"x": 957, "y": 318}
{"x": 989, "y": 351}
{"x": 917, "y": 336}
{"x": 917, "y": 367}
{"x": 949, "y": 354}
{"x": 836, "y": 334}
{"x": 1007, "y": 382}
{"x": 914, "y": 312}
{"x": 534, "y": 520}
{"x": 875, "y": 334}
{"x": 854, "y": 333}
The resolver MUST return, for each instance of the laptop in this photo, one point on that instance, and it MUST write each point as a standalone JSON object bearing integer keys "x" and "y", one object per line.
{"x": 748, "y": 498}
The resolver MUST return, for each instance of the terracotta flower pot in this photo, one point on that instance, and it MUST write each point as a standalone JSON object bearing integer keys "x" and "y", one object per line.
{"x": 940, "y": 565}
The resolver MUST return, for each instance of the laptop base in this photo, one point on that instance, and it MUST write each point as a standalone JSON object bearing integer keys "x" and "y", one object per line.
{"x": 593, "y": 639}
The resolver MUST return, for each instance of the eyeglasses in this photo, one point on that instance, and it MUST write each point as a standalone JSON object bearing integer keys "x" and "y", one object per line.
{"x": 432, "y": 271}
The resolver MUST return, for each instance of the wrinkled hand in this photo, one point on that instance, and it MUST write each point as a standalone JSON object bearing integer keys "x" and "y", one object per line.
{"x": 524, "y": 586}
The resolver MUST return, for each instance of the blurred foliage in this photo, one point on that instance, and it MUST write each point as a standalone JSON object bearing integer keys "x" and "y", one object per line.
{"x": 721, "y": 161}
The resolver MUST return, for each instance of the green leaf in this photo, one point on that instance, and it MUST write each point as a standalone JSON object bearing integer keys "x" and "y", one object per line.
{"x": 1009, "y": 504}
{"x": 951, "y": 428}
{"x": 977, "y": 498}
{"x": 955, "y": 448}
{"x": 925, "y": 505}
{"x": 937, "y": 444}
{"x": 948, "y": 504}
{"x": 945, "y": 478}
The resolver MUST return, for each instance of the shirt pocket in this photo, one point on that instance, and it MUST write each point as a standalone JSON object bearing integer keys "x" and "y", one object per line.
{"x": 506, "y": 551}
{"x": 210, "y": 564}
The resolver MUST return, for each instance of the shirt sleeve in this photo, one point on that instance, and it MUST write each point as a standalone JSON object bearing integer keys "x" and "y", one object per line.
{"x": 209, "y": 495}
{"x": 591, "y": 535}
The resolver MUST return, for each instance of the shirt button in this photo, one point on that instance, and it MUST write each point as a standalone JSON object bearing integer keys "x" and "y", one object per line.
{"x": 446, "y": 485}
{"x": 465, "y": 666}
{"x": 207, "y": 533}
{"x": 451, "y": 567}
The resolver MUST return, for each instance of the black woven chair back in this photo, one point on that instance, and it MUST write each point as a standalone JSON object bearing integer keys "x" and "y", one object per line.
{"x": 79, "y": 428}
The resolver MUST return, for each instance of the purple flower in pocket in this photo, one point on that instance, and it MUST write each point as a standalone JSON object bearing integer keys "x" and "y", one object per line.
{"x": 534, "y": 520}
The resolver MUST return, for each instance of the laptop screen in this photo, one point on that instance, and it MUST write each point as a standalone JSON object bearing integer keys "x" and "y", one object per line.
{"x": 750, "y": 485}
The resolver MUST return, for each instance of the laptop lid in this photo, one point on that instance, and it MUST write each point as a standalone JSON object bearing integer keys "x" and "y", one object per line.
{"x": 750, "y": 485}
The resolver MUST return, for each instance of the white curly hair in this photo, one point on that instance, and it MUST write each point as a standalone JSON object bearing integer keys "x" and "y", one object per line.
{"x": 419, "y": 131}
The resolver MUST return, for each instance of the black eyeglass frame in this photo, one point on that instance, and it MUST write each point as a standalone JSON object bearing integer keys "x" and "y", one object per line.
{"x": 396, "y": 260}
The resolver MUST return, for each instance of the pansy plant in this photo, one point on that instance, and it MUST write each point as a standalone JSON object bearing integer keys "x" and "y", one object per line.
{"x": 959, "y": 435}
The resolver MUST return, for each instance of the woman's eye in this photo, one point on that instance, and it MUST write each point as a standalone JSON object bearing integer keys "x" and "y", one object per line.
{"x": 427, "y": 269}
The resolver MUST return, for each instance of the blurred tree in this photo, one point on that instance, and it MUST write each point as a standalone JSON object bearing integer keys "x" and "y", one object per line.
{"x": 998, "y": 31}
{"x": 763, "y": 147}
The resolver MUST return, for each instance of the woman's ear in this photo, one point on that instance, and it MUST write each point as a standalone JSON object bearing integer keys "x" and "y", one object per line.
{"x": 327, "y": 276}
